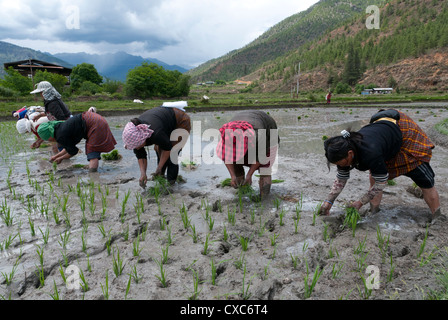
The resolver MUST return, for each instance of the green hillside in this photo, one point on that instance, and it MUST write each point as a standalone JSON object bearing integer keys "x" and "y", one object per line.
{"x": 283, "y": 37}
{"x": 409, "y": 30}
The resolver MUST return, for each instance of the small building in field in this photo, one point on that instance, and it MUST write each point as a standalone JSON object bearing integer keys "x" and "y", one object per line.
{"x": 28, "y": 68}
{"x": 377, "y": 91}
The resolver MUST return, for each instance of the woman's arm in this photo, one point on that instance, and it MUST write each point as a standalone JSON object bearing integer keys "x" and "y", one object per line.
{"x": 143, "y": 165}
{"x": 164, "y": 156}
{"x": 252, "y": 169}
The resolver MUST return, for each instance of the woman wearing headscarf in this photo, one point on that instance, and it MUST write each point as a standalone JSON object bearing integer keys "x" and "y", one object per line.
{"x": 26, "y": 125}
{"x": 155, "y": 127}
{"x": 55, "y": 109}
{"x": 390, "y": 146}
{"x": 250, "y": 139}
{"x": 87, "y": 125}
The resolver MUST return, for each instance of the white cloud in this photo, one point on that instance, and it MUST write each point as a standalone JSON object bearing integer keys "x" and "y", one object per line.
{"x": 185, "y": 32}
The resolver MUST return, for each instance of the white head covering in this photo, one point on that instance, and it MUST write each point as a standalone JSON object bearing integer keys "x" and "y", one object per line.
{"x": 23, "y": 126}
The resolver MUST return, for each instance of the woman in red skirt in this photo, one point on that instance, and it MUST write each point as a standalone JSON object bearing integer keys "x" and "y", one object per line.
{"x": 88, "y": 125}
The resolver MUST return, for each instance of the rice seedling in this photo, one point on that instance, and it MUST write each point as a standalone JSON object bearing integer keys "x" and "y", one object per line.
{"x": 196, "y": 291}
{"x": 295, "y": 260}
{"x": 169, "y": 237}
{"x": 83, "y": 242}
{"x": 281, "y": 215}
{"x": 61, "y": 271}
{"x": 231, "y": 216}
{"x": 45, "y": 235}
{"x": 126, "y": 233}
{"x": 429, "y": 257}
{"x": 423, "y": 244}
{"x": 225, "y": 234}
{"x": 273, "y": 238}
{"x": 64, "y": 239}
{"x": 10, "y": 276}
{"x": 162, "y": 223}
{"x": 360, "y": 260}
{"x": 390, "y": 275}
{"x": 162, "y": 276}
{"x": 361, "y": 246}
{"x": 244, "y": 241}
{"x": 210, "y": 222}
{"x": 89, "y": 266}
{"x": 136, "y": 250}
{"x": 266, "y": 271}
{"x": 31, "y": 223}
{"x": 252, "y": 216}
{"x": 184, "y": 215}
{"x": 144, "y": 232}
{"x": 383, "y": 243}
{"x": 6, "y": 215}
{"x": 40, "y": 253}
{"x": 117, "y": 264}
{"x": 55, "y": 295}
{"x": 274, "y": 253}
{"x": 206, "y": 245}
{"x": 66, "y": 217}
{"x": 309, "y": 288}
{"x": 40, "y": 272}
{"x": 134, "y": 274}
{"x": 105, "y": 288}
{"x": 123, "y": 205}
{"x": 336, "y": 270}
{"x": 245, "y": 294}
{"x": 368, "y": 288}
{"x": 84, "y": 284}
{"x": 108, "y": 244}
{"x": 64, "y": 202}
{"x": 193, "y": 234}
{"x": 351, "y": 218}
{"x": 277, "y": 203}
{"x": 64, "y": 257}
{"x": 128, "y": 288}
{"x": 56, "y": 218}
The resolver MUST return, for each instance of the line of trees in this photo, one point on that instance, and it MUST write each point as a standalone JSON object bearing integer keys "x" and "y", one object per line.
{"x": 145, "y": 81}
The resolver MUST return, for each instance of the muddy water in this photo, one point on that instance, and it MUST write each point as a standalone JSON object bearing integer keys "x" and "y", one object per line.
{"x": 301, "y": 165}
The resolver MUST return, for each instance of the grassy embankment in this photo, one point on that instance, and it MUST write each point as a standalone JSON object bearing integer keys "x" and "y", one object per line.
{"x": 219, "y": 97}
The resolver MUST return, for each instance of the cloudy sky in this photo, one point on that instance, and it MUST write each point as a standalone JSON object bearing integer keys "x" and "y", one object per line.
{"x": 182, "y": 32}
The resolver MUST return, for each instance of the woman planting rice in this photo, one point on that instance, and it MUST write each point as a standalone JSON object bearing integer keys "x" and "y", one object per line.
{"x": 88, "y": 125}
{"x": 27, "y": 126}
{"x": 390, "y": 146}
{"x": 250, "y": 139}
{"x": 155, "y": 127}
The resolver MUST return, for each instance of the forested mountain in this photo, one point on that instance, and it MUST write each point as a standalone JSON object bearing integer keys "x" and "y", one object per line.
{"x": 283, "y": 37}
{"x": 409, "y": 50}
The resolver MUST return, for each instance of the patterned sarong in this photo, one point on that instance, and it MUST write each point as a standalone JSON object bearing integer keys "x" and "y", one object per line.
{"x": 99, "y": 135}
{"x": 416, "y": 148}
{"x": 236, "y": 138}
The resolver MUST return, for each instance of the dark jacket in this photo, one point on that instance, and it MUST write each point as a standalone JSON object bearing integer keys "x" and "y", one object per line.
{"x": 57, "y": 109}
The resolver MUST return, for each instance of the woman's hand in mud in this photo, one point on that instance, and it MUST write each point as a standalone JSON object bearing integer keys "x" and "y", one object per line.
{"x": 234, "y": 182}
{"x": 157, "y": 173}
{"x": 248, "y": 181}
{"x": 142, "y": 181}
{"x": 325, "y": 208}
{"x": 355, "y": 204}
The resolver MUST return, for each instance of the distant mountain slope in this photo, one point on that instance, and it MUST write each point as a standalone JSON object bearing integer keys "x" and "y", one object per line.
{"x": 285, "y": 36}
{"x": 410, "y": 49}
{"x": 114, "y": 66}
{"x": 10, "y": 53}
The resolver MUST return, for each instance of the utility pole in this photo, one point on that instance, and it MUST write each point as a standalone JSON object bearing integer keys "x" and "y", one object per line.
{"x": 298, "y": 76}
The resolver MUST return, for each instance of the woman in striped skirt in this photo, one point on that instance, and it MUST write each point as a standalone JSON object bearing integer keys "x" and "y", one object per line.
{"x": 390, "y": 146}
{"x": 87, "y": 125}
